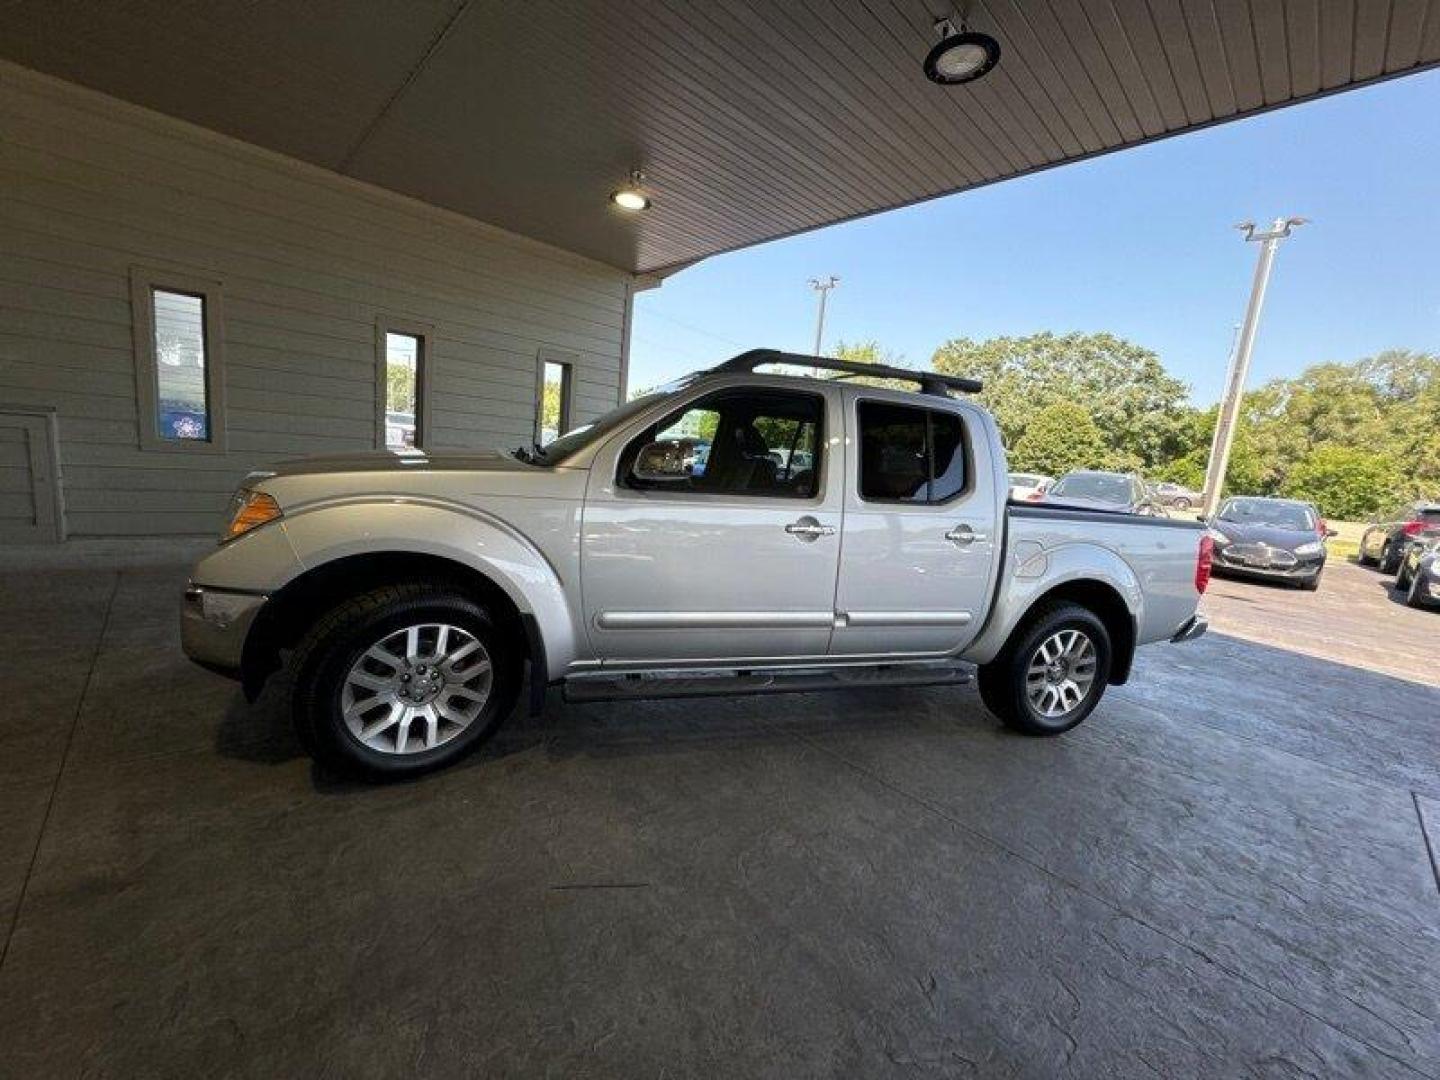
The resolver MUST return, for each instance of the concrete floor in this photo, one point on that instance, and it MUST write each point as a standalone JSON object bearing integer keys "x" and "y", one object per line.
{"x": 1223, "y": 873}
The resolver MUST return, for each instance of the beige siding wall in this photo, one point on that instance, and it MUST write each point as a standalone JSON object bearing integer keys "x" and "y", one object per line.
{"x": 91, "y": 187}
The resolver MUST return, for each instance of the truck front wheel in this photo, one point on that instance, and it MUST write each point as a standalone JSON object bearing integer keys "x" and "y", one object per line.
{"x": 1052, "y": 673}
{"x": 401, "y": 680}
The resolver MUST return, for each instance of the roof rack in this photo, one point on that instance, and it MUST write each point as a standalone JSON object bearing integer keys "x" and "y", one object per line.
{"x": 931, "y": 382}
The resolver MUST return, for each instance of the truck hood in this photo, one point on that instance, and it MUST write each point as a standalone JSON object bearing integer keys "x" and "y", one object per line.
{"x": 408, "y": 461}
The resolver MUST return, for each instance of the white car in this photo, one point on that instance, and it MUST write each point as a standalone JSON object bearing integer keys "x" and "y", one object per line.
{"x": 409, "y": 594}
{"x": 1028, "y": 487}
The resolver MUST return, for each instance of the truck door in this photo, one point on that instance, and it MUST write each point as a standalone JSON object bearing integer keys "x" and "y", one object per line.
{"x": 714, "y": 532}
{"x": 920, "y": 530}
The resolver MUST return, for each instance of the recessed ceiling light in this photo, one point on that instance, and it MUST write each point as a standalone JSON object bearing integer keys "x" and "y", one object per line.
{"x": 630, "y": 199}
{"x": 960, "y": 57}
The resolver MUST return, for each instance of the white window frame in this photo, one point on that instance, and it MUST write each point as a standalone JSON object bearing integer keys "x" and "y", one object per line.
{"x": 144, "y": 281}
{"x": 567, "y": 361}
{"x": 425, "y": 334}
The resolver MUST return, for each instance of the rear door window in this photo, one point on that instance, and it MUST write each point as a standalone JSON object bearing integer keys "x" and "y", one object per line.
{"x": 910, "y": 455}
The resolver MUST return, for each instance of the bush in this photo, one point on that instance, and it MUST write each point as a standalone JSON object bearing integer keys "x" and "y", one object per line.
{"x": 1345, "y": 482}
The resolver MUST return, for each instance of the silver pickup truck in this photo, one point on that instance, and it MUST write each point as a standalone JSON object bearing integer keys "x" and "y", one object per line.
{"x": 736, "y": 532}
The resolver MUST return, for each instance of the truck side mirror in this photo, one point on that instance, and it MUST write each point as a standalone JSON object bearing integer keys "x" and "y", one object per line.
{"x": 665, "y": 462}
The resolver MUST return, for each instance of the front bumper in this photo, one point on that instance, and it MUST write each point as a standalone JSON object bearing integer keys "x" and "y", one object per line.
{"x": 1191, "y": 628}
{"x": 214, "y": 624}
{"x": 1303, "y": 570}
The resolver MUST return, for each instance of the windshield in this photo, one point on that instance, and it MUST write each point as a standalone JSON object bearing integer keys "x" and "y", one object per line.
{"x": 1098, "y": 486}
{"x": 1282, "y": 515}
{"x": 572, "y": 442}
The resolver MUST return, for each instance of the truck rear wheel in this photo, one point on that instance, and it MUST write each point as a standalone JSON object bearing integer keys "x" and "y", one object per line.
{"x": 402, "y": 680}
{"x": 1052, "y": 673}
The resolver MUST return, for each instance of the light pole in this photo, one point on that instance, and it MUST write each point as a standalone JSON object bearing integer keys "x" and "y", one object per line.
{"x": 1240, "y": 361}
{"x": 823, "y": 288}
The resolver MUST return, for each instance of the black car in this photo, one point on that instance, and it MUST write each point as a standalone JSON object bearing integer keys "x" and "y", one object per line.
{"x": 1095, "y": 490}
{"x": 1277, "y": 539}
{"x": 1385, "y": 539}
{"x": 1418, "y": 578}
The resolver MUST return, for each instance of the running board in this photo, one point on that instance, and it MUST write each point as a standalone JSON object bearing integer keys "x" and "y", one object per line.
{"x": 584, "y": 689}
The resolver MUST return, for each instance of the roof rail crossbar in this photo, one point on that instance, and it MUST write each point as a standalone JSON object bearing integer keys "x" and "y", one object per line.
{"x": 931, "y": 382}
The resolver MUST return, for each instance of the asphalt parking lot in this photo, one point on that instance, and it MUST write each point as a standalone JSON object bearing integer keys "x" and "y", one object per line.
{"x": 1223, "y": 873}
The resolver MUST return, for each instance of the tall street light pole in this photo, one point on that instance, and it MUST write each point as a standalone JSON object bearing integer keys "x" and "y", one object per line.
{"x": 823, "y": 288}
{"x": 1268, "y": 240}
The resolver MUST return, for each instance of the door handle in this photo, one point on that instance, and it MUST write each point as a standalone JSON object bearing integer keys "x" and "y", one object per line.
{"x": 963, "y": 536}
{"x": 808, "y": 529}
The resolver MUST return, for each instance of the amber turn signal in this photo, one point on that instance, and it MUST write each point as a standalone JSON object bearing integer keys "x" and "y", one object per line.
{"x": 251, "y": 510}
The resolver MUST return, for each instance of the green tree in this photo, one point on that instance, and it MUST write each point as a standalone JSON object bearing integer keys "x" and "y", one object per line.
{"x": 871, "y": 352}
{"x": 1140, "y": 409}
{"x": 1344, "y": 481}
{"x": 1058, "y": 438}
{"x": 400, "y": 388}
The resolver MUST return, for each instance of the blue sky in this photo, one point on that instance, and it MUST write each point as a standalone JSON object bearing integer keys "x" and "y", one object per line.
{"x": 1138, "y": 243}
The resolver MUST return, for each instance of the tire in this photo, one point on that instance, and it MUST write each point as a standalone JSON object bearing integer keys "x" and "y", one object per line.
{"x": 1412, "y": 594}
{"x": 1181, "y": 504}
{"x": 1311, "y": 584}
{"x": 1389, "y": 558}
{"x": 1402, "y": 579}
{"x": 1004, "y": 681}
{"x": 453, "y": 700}
{"x": 1361, "y": 559}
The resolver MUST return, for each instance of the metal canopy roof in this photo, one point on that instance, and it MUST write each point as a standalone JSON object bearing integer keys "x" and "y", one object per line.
{"x": 750, "y": 119}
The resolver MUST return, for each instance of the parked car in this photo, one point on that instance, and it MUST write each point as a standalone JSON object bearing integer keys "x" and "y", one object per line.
{"x": 1418, "y": 577}
{"x": 408, "y": 599}
{"x": 1028, "y": 487}
{"x": 1095, "y": 490}
{"x": 1384, "y": 540}
{"x": 1176, "y": 495}
{"x": 1277, "y": 539}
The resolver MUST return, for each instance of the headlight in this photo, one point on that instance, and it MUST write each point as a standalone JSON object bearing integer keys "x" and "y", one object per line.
{"x": 1217, "y": 536}
{"x": 249, "y": 510}
{"x": 1315, "y": 547}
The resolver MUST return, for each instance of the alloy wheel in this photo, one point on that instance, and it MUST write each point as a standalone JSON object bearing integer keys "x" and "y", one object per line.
{"x": 1060, "y": 673}
{"x": 416, "y": 688}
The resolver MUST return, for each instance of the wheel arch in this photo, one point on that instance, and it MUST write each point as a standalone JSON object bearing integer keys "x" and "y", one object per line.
{"x": 293, "y": 609}
{"x": 1106, "y": 603}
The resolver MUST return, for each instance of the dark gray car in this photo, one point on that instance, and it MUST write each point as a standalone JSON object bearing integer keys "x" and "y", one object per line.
{"x": 1090, "y": 489}
{"x": 1277, "y": 539}
{"x": 1419, "y": 577}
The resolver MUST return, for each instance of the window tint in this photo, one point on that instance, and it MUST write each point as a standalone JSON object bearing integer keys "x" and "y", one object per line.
{"x": 760, "y": 442}
{"x": 909, "y": 454}
{"x": 947, "y": 440}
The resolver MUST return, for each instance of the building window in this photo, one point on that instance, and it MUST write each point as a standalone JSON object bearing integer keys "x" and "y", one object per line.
{"x": 178, "y": 361}
{"x": 402, "y": 358}
{"x": 556, "y": 389}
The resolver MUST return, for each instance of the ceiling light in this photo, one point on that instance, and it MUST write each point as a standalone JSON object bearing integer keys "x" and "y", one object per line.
{"x": 960, "y": 56}
{"x": 632, "y": 197}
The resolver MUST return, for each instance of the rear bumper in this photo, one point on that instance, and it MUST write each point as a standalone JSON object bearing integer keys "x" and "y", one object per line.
{"x": 214, "y": 624}
{"x": 1191, "y": 628}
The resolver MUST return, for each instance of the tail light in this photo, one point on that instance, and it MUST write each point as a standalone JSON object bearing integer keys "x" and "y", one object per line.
{"x": 1410, "y": 528}
{"x": 1202, "y": 563}
{"x": 1323, "y": 527}
{"x": 1035, "y": 496}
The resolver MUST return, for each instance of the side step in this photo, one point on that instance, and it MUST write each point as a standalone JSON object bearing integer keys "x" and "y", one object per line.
{"x": 646, "y": 686}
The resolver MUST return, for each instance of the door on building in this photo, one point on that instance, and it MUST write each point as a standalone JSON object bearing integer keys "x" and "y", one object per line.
{"x": 30, "y": 507}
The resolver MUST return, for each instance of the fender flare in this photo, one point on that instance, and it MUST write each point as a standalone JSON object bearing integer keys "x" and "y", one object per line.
{"x": 1038, "y": 572}
{"x": 321, "y": 533}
